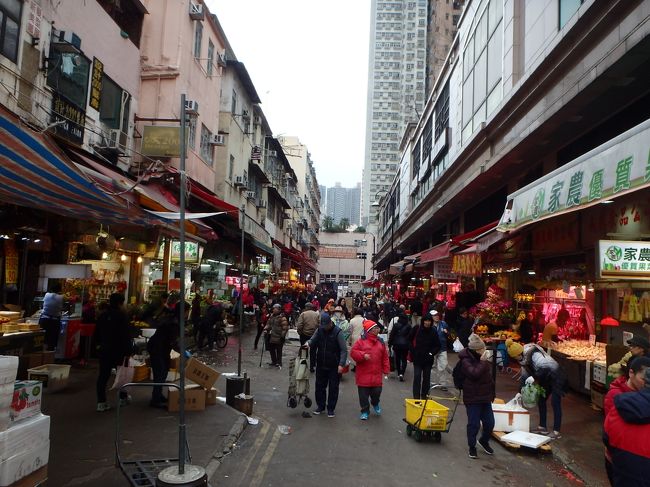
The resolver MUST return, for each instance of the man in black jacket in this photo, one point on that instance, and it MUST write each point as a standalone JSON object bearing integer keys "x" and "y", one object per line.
{"x": 207, "y": 326}
{"x": 331, "y": 354}
{"x": 399, "y": 341}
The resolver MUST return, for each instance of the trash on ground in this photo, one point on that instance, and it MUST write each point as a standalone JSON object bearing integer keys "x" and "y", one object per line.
{"x": 229, "y": 374}
{"x": 252, "y": 420}
{"x": 284, "y": 429}
{"x": 221, "y": 399}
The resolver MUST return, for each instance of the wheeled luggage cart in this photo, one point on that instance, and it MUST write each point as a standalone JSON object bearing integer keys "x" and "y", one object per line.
{"x": 427, "y": 417}
{"x": 299, "y": 380}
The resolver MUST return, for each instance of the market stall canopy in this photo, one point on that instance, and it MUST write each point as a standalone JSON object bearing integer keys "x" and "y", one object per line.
{"x": 473, "y": 235}
{"x": 612, "y": 169}
{"x": 36, "y": 173}
{"x": 437, "y": 252}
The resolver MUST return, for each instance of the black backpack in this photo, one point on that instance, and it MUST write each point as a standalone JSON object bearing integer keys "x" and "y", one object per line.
{"x": 457, "y": 375}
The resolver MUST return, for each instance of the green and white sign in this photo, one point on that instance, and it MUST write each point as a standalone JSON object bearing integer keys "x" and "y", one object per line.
{"x": 617, "y": 167}
{"x": 623, "y": 259}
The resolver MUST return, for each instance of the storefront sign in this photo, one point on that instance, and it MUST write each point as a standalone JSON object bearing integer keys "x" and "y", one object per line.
{"x": 96, "y": 84}
{"x": 264, "y": 268}
{"x": 161, "y": 141}
{"x": 337, "y": 252}
{"x": 11, "y": 264}
{"x": 442, "y": 271}
{"x": 192, "y": 252}
{"x": 467, "y": 265}
{"x": 615, "y": 168}
{"x": 624, "y": 259}
{"x": 69, "y": 118}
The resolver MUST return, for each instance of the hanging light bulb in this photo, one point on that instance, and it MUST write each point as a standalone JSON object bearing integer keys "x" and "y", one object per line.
{"x": 123, "y": 257}
{"x": 104, "y": 255}
{"x": 139, "y": 259}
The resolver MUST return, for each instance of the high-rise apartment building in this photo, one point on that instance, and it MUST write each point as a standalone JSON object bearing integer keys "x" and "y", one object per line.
{"x": 344, "y": 203}
{"x": 407, "y": 41}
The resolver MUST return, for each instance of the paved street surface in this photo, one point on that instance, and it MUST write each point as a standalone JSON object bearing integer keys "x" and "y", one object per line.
{"x": 321, "y": 450}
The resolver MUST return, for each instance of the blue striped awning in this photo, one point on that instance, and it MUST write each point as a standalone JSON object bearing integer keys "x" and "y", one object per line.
{"x": 36, "y": 173}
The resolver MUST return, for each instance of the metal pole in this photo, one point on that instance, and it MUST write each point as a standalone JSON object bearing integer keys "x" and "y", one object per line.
{"x": 241, "y": 291}
{"x": 181, "y": 320}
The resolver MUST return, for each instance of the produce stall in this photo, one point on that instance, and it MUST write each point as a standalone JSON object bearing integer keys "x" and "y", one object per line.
{"x": 577, "y": 358}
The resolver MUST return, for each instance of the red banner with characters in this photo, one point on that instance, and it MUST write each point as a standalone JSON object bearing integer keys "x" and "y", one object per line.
{"x": 467, "y": 265}
{"x": 11, "y": 264}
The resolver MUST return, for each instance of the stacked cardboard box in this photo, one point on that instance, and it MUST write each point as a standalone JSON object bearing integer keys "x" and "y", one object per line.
{"x": 196, "y": 396}
{"x": 25, "y": 441}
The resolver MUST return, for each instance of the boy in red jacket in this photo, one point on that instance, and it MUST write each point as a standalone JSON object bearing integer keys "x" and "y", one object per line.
{"x": 371, "y": 356}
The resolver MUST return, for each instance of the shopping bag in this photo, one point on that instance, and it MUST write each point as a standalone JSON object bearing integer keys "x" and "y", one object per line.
{"x": 124, "y": 375}
{"x": 457, "y": 345}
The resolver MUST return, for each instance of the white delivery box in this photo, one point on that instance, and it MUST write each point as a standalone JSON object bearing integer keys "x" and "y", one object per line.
{"x": 8, "y": 369}
{"x": 28, "y": 434}
{"x": 21, "y": 465}
{"x": 510, "y": 418}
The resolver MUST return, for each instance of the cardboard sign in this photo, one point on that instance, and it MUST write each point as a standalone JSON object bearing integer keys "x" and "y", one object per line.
{"x": 26, "y": 400}
{"x": 592, "y": 340}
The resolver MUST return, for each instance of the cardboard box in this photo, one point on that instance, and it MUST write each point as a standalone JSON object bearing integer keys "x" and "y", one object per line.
{"x": 211, "y": 396}
{"x": 194, "y": 400}
{"x": 200, "y": 373}
{"x": 27, "y": 399}
{"x": 510, "y": 419}
{"x": 53, "y": 376}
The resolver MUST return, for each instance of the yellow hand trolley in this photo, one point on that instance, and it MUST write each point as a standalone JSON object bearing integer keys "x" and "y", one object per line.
{"x": 428, "y": 417}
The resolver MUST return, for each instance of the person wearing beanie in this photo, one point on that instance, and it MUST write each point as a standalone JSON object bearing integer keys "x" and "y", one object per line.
{"x": 331, "y": 352}
{"x": 626, "y": 433}
{"x": 478, "y": 394}
{"x": 545, "y": 370}
{"x": 371, "y": 358}
{"x": 635, "y": 381}
{"x": 424, "y": 346}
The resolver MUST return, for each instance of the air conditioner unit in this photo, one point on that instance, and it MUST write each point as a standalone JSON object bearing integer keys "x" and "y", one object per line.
{"x": 191, "y": 107}
{"x": 250, "y": 195}
{"x": 272, "y": 153}
{"x": 257, "y": 120}
{"x": 261, "y": 204}
{"x": 115, "y": 140}
{"x": 196, "y": 11}
{"x": 66, "y": 41}
{"x": 240, "y": 181}
{"x": 218, "y": 139}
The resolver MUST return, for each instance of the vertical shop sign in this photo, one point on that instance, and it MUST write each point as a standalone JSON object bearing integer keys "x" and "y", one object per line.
{"x": 96, "y": 84}
{"x": 11, "y": 264}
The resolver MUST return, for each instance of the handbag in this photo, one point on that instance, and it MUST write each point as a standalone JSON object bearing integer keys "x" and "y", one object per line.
{"x": 124, "y": 374}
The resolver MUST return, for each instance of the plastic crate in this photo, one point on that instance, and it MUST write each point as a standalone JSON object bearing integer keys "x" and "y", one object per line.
{"x": 433, "y": 415}
{"x": 53, "y": 376}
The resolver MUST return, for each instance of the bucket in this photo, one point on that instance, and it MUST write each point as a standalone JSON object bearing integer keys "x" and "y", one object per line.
{"x": 236, "y": 385}
{"x": 244, "y": 404}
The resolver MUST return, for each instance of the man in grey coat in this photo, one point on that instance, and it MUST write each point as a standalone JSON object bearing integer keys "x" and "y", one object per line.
{"x": 306, "y": 326}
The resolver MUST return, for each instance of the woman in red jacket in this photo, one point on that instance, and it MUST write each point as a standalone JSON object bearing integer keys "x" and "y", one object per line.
{"x": 371, "y": 356}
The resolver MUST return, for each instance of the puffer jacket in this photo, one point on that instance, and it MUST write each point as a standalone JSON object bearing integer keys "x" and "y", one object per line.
{"x": 478, "y": 386}
{"x": 618, "y": 386}
{"x": 278, "y": 326}
{"x": 424, "y": 345}
{"x": 370, "y": 373}
{"x": 544, "y": 368}
{"x": 626, "y": 433}
{"x": 308, "y": 322}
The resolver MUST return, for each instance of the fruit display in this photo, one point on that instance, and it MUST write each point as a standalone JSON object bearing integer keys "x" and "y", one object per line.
{"x": 481, "y": 329}
{"x": 581, "y": 350}
{"x": 504, "y": 335}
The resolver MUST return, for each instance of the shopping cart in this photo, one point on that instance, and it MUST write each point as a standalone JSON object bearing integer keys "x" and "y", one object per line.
{"x": 428, "y": 417}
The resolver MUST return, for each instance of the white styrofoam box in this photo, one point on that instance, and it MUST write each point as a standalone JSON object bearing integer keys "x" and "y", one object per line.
{"x": 147, "y": 332}
{"x": 8, "y": 369}
{"x": 18, "y": 466}
{"x": 530, "y": 440}
{"x": 6, "y": 394}
{"x": 24, "y": 435}
{"x": 507, "y": 418}
{"x": 27, "y": 399}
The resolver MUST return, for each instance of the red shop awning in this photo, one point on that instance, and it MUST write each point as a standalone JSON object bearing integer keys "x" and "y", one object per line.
{"x": 470, "y": 236}
{"x": 437, "y": 252}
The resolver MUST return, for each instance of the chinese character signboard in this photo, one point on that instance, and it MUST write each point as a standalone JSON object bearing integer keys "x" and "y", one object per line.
{"x": 467, "y": 265}
{"x": 615, "y": 168}
{"x": 337, "y": 252}
{"x": 161, "y": 141}
{"x": 69, "y": 118}
{"x": 193, "y": 252}
{"x": 623, "y": 259}
{"x": 96, "y": 84}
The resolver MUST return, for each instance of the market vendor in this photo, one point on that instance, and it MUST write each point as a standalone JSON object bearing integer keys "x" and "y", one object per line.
{"x": 639, "y": 347}
{"x": 50, "y": 319}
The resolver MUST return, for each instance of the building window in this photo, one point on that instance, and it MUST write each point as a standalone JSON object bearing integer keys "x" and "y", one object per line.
{"x": 191, "y": 132}
{"x": 427, "y": 141}
{"x": 416, "y": 160}
{"x": 10, "y": 12}
{"x": 198, "y": 38}
{"x": 210, "y": 57}
{"x": 67, "y": 74}
{"x": 442, "y": 111}
{"x": 207, "y": 148}
{"x": 114, "y": 105}
{"x": 567, "y": 9}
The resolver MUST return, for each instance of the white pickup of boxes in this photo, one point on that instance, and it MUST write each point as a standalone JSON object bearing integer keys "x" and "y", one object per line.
{"x": 510, "y": 417}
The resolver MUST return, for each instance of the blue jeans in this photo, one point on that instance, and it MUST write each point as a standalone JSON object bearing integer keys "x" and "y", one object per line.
{"x": 477, "y": 414}
{"x": 327, "y": 379}
{"x": 556, "y": 404}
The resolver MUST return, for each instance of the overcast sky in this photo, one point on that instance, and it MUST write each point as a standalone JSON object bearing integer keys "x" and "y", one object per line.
{"x": 309, "y": 63}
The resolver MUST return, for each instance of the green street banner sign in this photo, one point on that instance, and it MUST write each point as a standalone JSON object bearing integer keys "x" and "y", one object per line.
{"x": 617, "y": 167}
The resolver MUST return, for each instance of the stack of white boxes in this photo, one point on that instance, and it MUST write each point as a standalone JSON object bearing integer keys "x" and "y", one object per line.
{"x": 24, "y": 431}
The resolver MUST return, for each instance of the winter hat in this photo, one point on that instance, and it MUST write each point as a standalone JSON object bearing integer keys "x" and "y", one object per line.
{"x": 325, "y": 320}
{"x": 308, "y": 305}
{"x": 277, "y": 305}
{"x": 475, "y": 343}
{"x": 433, "y": 312}
{"x": 368, "y": 325}
{"x": 514, "y": 349}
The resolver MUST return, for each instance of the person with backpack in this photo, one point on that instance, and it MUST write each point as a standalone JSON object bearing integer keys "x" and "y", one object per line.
{"x": 474, "y": 376}
{"x": 424, "y": 345}
{"x": 331, "y": 353}
{"x": 399, "y": 341}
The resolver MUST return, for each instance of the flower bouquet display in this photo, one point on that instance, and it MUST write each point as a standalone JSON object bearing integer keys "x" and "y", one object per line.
{"x": 495, "y": 309}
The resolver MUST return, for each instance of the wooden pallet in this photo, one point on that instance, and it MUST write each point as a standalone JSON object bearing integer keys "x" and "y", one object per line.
{"x": 500, "y": 434}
